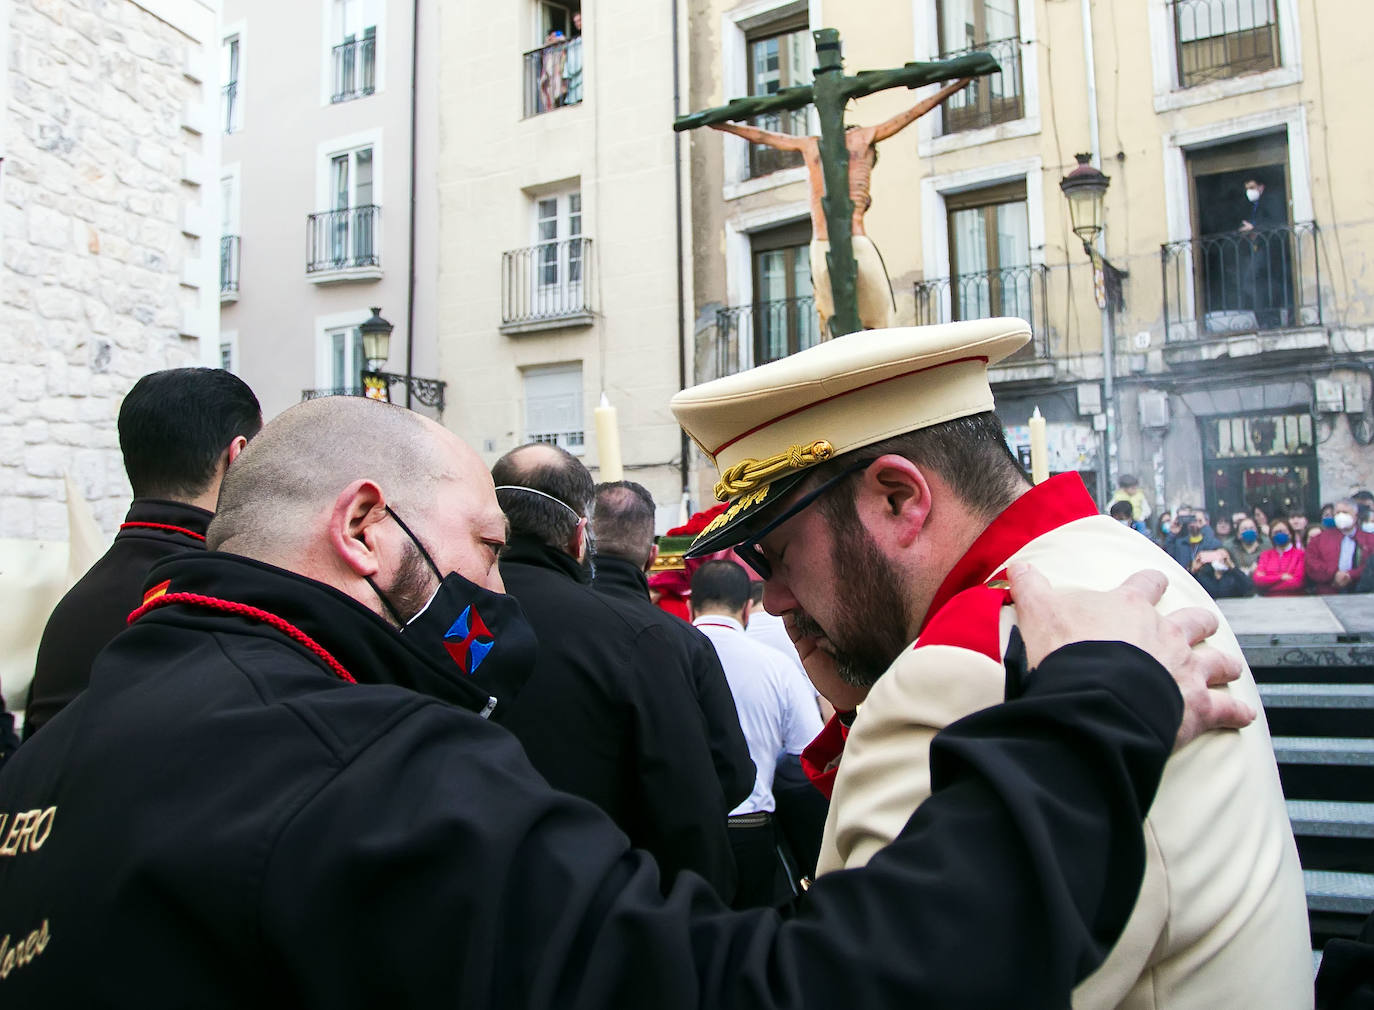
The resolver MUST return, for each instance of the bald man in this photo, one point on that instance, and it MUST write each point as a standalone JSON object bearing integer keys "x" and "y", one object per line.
{"x": 279, "y": 789}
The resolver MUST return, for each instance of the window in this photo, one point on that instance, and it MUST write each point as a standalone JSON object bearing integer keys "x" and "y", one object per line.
{"x": 354, "y": 50}
{"x": 989, "y": 243}
{"x": 229, "y": 237}
{"x": 553, "y": 68}
{"x": 783, "y": 316}
{"x": 344, "y": 356}
{"x": 1217, "y": 39}
{"x": 777, "y": 59}
{"x": 553, "y": 406}
{"x": 546, "y": 283}
{"x": 345, "y": 236}
{"x": 229, "y": 351}
{"x": 967, "y": 26}
{"x": 231, "y": 107}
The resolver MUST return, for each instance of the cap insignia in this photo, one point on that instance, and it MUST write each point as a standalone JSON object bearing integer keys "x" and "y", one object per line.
{"x": 748, "y": 474}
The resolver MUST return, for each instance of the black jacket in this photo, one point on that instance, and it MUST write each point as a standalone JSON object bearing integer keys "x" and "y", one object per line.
{"x": 235, "y": 825}
{"x": 95, "y": 609}
{"x": 624, "y": 582}
{"x": 603, "y": 718}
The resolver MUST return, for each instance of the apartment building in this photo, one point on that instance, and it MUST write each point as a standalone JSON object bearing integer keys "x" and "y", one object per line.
{"x": 327, "y": 197}
{"x": 559, "y": 264}
{"x": 1232, "y": 367}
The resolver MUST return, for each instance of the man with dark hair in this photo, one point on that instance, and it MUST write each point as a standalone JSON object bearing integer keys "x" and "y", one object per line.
{"x": 871, "y": 486}
{"x": 779, "y": 717}
{"x": 623, "y": 523}
{"x": 179, "y": 430}
{"x": 279, "y": 789}
{"x": 600, "y": 716}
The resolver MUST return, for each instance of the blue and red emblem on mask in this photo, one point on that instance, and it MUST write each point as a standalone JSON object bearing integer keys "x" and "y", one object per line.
{"x": 469, "y": 641}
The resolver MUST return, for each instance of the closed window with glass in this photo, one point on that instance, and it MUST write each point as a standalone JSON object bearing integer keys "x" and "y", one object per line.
{"x": 993, "y": 26}
{"x": 558, "y": 253}
{"x": 352, "y": 217}
{"x": 344, "y": 354}
{"x": 1217, "y": 39}
{"x": 783, "y": 315}
{"x": 353, "y": 49}
{"x": 989, "y": 253}
{"x": 778, "y": 58}
{"x": 231, "y": 115}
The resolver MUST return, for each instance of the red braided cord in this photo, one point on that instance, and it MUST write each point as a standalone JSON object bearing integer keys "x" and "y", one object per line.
{"x": 252, "y": 613}
{"x": 163, "y": 526}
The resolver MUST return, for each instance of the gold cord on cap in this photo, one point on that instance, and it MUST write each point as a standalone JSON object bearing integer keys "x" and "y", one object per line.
{"x": 748, "y": 474}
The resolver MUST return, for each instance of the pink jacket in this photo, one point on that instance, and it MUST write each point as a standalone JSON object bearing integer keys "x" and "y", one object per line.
{"x": 1273, "y": 565}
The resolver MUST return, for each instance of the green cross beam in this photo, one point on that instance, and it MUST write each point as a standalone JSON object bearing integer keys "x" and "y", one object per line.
{"x": 831, "y": 90}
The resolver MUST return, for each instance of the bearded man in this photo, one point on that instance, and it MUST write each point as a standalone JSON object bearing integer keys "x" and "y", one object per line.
{"x": 872, "y": 488}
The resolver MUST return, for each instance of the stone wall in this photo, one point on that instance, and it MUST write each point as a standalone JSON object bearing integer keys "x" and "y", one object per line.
{"x": 100, "y": 263}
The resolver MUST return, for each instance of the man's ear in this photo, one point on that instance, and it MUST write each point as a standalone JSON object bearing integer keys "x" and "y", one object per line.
{"x": 353, "y": 527}
{"x": 893, "y": 494}
{"x": 577, "y": 543}
{"x": 653, "y": 556}
{"x": 235, "y": 447}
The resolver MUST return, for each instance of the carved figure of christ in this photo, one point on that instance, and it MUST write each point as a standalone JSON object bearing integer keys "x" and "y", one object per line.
{"x": 876, "y": 304}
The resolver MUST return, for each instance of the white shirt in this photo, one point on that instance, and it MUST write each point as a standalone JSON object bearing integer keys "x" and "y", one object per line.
{"x": 766, "y": 629}
{"x": 777, "y": 710}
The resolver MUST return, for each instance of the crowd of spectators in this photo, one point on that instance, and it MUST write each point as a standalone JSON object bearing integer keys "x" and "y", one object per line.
{"x": 1255, "y": 554}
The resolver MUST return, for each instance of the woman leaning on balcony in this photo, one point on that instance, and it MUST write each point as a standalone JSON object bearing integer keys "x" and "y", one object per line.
{"x": 1281, "y": 568}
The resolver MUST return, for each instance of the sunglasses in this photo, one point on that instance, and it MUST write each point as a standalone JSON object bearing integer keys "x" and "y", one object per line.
{"x": 748, "y": 550}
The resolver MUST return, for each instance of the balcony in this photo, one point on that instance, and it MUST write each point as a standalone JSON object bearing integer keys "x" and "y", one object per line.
{"x": 1012, "y": 291}
{"x": 355, "y": 69}
{"x": 749, "y": 335}
{"x": 1219, "y": 287}
{"x": 316, "y": 394}
{"x": 1217, "y": 39}
{"x": 228, "y": 269}
{"x": 342, "y": 245}
{"x": 546, "y": 286}
{"x": 553, "y": 77}
{"x": 229, "y": 106}
{"x": 989, "y": 100}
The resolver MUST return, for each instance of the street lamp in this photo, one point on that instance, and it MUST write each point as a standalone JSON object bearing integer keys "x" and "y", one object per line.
{"x": 376, "y": 334}
{"x": 1086, "y": 190}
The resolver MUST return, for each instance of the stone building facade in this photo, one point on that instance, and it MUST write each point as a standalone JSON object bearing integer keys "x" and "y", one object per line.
{"x": 108, "y": 225}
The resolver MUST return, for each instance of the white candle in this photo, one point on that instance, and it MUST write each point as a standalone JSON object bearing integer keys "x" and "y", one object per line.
{"x": 608, "y": 442}
{"x": 1040, "y": 453}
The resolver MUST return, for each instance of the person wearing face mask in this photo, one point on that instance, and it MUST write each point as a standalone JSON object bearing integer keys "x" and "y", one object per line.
{"x": 1122, "y": 512}
{"x": 1264, "y": 255}
{"x": 1281, "y": 568}
{"x": 1247, "y": 546}
{"x": 605, "y": 714}
{"x": 1194, "y": 537}
{"x": 273, "y": 794}
{"x": 1336, "y": 559}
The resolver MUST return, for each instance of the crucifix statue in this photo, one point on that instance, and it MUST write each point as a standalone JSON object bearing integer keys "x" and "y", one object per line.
{"x": 847, "y": 275}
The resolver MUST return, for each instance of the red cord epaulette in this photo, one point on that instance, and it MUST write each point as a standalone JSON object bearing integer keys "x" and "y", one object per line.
{"x": 252, "y": 613}
{"x": 164, "y": 526}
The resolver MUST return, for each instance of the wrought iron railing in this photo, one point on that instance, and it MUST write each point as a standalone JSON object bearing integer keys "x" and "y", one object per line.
{"x": 343, "y": 239}
{"x": 548, "y": 281}
{"x": 749, "y": 335}
{"x": 1266, "y": 279}
{"x": 355, "y": 69}
{"x": 996, "y": 98}
{"x": 228, "y": 263}
{"x": 764, "y": 160}
{"x": 553, "y": 76}
{"x": 1012, "y": 291}
{"x": 315, "y": 394}
{"x": 229, "y": 106}
{"x": 1216, "y": 39}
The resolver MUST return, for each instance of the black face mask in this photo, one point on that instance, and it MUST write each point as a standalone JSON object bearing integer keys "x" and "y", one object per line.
{"x": 484, "y": 634}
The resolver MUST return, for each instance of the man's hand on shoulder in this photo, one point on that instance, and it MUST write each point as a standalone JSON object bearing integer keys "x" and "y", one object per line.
{"x": 1050, "y": 619}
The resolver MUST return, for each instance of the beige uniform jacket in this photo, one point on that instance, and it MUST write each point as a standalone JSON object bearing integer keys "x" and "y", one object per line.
{"x": 1221, "y": 919}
